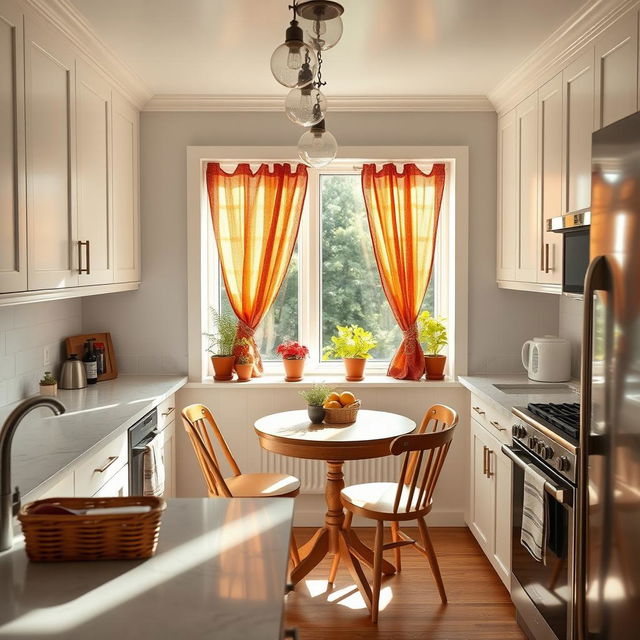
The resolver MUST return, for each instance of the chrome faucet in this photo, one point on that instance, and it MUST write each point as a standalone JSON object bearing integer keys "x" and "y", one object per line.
{"x": 10, "y": 503}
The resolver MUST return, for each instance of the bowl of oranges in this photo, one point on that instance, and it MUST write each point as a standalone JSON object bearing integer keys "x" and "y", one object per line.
{"x": 340, "y": 407}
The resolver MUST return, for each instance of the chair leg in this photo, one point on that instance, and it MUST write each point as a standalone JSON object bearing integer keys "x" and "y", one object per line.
{"x": 334, "y": 567}
{"x": 433, "y": 560}
{"x": 377, "y": 570}
{"x": 293, "y": 551}
{"x": 395, "y": 528}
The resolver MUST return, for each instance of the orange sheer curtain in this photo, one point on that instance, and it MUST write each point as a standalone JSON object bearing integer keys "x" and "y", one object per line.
{"x": 403, "y": 211}
{"x": 255, "y": 218}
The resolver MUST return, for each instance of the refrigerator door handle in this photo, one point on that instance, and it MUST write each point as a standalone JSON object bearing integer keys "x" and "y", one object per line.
{"x": 598, "y": 278}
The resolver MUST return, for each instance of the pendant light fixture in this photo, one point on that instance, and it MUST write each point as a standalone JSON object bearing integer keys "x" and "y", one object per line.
{"x": 297, "y": 64}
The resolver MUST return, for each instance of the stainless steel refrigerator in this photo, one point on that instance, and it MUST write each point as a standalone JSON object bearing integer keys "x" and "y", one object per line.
{"x": 608, "y": 535}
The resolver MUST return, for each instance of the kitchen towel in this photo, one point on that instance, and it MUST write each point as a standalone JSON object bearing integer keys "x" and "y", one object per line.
{"x": 154, "y": 467}
{"x": 533, "y": 535}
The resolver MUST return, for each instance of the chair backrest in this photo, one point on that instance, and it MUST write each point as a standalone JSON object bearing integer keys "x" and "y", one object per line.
{"x": 420, "y": 472}
{"x": 197, "y": 420}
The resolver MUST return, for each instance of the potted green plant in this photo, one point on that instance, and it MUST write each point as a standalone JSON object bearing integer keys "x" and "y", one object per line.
{"x": 221, "y": 344}
{"x": 432, "y": 334}
{"x": 244, "y": 367}
{"x": 293, "y": 356}
{"x": 315, "y": 397}
{"x": 48, "y": 384}
{"x": 352, "y": 344}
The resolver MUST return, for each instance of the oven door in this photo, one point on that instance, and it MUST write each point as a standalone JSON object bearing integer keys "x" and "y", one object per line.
{"x": 542, "y": 591}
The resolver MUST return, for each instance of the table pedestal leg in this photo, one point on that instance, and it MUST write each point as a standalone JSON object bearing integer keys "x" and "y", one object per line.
{"x": 334, "y": 517}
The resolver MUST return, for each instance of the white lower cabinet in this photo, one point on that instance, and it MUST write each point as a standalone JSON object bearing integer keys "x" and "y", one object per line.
{"x": 117, "y": 486}
{"x": 490, "y": 496}
{"x": 169, "y": 460}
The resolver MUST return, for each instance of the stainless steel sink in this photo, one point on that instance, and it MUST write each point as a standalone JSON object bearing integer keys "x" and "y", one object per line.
{"x": 534, "y": 389}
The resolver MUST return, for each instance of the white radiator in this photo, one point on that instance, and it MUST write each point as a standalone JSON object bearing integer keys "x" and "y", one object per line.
{"x": 312, "y": 473}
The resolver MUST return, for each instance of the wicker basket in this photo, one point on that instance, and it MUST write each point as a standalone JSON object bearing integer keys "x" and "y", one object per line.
{"x": 62, "y": 538}
{"x": 344, "y": 415}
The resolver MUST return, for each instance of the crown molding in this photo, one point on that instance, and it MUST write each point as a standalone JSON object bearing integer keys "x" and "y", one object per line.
{"x": 557, "y": 50}
{"x": 178, "y": 102}
{"x": 66, "y": 18}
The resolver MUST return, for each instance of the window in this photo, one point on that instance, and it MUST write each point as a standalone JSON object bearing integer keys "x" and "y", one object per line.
{"x": 333, "y": 277}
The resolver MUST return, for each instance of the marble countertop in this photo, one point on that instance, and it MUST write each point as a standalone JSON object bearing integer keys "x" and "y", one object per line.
{"x": 484, "y": 387}
{"x": 219, "y": 572}
{"x": 46, "y": 446}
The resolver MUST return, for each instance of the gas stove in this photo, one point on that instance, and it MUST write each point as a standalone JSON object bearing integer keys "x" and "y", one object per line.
{"x": 550, "y": 432}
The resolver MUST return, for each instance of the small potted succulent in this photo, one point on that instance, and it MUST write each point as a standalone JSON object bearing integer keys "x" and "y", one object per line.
{"x": 432, "y": 334}
{"x": 221, "y": 344}
{"x": 315, "y": 398}
{"x": 244, "y": 359}
{"x": 48, "y": 384}
{"x": 293, "y": 356}
{"x": 352, "y": 344}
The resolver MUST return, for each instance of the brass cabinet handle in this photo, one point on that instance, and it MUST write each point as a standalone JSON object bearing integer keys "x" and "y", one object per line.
{"x": 484, "y": 460}
{"x": 82, "y": 269}
{"x": 497, "y": 425}
{"x": 489, "y": 472}
{"x": 478, "y": 410}
{"x": 168, "y": 412}
{"x": 547, "y": 268}
{"x": 106, "y": 465}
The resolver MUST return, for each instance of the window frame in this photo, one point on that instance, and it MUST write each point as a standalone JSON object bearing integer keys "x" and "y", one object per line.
{"x": 451, "y": 250}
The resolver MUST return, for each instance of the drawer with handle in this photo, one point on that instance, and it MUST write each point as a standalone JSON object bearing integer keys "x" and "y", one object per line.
{"x": 478, "y": 410}
{"x": 166, "y": 412}
{"x": 496, "y": 422}
{"x": 101, "y": 466}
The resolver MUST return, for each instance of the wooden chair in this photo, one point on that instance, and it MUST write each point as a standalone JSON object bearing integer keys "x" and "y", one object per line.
{"x": 411, "y": 498}
{"x": 197, "y": 420}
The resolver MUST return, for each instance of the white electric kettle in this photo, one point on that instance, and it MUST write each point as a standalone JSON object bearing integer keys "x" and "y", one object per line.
{"x": 547, "y": 359}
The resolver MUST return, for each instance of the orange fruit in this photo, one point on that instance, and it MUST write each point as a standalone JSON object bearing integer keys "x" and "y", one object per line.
{"x": 332, "y": 404}
{"x": 333, "y": 396}
{"x": 347, "y": 398}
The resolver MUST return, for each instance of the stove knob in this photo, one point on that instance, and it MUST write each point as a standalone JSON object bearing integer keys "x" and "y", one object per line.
{"x": 515, "y": 430}
{"x": 533, "y": 442}
{"x": 563, "y": 463}
{"x": 540, "y": 448}
{"x": 548, "y": 453}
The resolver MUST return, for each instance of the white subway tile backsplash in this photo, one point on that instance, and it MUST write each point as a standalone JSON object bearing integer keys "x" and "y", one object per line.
{"x": 25, "y": 330}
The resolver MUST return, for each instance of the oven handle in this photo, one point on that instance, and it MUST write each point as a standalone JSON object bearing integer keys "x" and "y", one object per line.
{"x": 552, "y": 489}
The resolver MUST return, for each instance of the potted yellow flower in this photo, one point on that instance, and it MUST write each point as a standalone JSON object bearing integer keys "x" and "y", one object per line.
{"x": 352, "y": 344}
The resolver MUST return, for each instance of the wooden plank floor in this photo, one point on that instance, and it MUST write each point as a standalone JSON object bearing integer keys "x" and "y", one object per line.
{"x": 479, "y": 606}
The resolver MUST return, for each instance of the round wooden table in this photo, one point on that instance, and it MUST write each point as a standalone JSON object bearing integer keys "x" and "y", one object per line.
{"x": 291, "y": 433}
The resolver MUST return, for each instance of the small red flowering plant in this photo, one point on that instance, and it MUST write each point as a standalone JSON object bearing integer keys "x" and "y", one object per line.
{"x": 292, "y": 350}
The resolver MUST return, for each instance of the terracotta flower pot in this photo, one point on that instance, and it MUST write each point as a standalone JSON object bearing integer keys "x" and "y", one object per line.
{"x": 223, "y": 367}
{"x": 354, "y": 368}
{"x": 293, "y": 369}
{"x": 244, "y": 372}
{"x": 316, "y": 414}
{"x": 434, "y": 367}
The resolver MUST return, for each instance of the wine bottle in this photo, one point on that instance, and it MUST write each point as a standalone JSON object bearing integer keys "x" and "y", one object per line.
{"x": 90, "y": 362}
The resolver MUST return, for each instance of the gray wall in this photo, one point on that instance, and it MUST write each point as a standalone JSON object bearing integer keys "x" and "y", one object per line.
{"x": 150, "y": 326}
{"x": 570, "y": 327}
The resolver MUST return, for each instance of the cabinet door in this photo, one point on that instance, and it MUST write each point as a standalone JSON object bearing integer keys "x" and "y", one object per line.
{"x": 169, "y": 461}
{"x": 50, "y": 150}
{"x": 482, "y": 490}
{"x": 550, "y": 157}
{"x": 126, "y": 210}
{"x": 13, "y": 217}
{"x": 617, "y": 71}
{"x": 578, "y": 99}
{"x": 93, "y": 144}
{"x": 501, "y": 466}
{"x": 117, "y": 486}
{"x": 527, "y": 184}
{"x": 507, "y": 201}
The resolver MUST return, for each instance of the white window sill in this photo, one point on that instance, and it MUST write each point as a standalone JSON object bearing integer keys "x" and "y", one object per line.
{"x": 374, "y": 380}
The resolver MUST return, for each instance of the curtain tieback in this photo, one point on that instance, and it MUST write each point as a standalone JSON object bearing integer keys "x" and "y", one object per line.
{"x": 244, "y": 328}
{"x": 410, "y": 336}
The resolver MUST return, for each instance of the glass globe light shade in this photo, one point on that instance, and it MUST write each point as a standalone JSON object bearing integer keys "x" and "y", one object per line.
{"x": 321, "y": 34}
{"x": 305, "y": 106}
{"x": 294, "y": 64}
{"x": 317, "y": 147}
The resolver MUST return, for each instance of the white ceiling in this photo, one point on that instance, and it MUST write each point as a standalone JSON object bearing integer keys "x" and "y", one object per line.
{"x": 389, "y": 47}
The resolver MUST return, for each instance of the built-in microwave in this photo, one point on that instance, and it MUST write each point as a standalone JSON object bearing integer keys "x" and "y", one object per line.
{"x": 575, "y": 244}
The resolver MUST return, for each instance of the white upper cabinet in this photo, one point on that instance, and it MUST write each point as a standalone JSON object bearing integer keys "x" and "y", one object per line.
{"x": 126, "y": 208}
{"x": 616, "y": 63}
{"x": 550, "y": 171}
{"x": 578, "y": 100}
{"x": 527, "y": 187}
{"x": 507, "y": 196}
{"x": 50, "y": 112}
{"x": 13, "y": 217}
{"x": 93, "y": 143}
